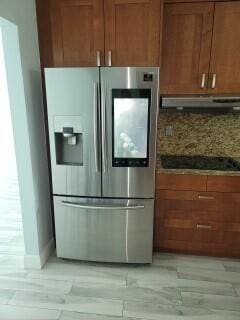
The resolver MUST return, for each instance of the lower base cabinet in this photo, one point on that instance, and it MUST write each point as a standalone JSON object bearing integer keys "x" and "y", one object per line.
{"x": 198, "y": 222}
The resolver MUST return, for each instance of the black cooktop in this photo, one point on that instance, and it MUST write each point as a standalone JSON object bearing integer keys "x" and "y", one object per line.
{"x": 200, "y": 163}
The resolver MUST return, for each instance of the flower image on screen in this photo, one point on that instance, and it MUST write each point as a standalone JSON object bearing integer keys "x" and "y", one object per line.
{"x": 130, "y": 127}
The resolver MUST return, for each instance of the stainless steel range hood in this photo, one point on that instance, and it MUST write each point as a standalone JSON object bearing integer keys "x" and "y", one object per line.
{"x": 210, "y": 102}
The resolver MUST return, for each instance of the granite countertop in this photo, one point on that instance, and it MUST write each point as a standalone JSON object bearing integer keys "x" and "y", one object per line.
{"x": 196, "y": 165}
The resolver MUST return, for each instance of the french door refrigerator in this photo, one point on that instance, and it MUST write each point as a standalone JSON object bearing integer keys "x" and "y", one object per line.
{"x": 102, "y": 129}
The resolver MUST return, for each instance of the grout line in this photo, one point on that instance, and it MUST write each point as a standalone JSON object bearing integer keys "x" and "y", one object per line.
{"x": 60, "y": 314}
{"x": 181, "y": 298}
{"x": 37, "y": 307}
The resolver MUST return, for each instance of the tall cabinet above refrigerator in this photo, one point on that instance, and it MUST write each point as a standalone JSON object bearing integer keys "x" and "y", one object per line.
{"x": 102, "y": 128}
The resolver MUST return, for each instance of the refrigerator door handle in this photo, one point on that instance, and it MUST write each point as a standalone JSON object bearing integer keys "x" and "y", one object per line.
{"x": 104, "y": 139}
{"x": 95, "y": 126}
{"x": 101, "y": 207}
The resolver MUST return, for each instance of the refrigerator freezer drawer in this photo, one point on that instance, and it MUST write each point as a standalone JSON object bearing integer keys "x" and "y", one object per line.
{"x": 107, "y": 230}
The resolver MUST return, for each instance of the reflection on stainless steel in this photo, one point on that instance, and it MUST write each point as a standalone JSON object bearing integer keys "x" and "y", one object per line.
{"x": 103, "y": 197}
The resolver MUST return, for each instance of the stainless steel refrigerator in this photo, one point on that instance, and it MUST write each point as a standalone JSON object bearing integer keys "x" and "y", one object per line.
{"x": 102, "y": 128}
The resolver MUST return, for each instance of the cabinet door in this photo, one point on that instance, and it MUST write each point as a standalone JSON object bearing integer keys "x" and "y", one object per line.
{"x": 187, "y": 33}
{"x": 77, "y": 31}
{"x": 225, "y": 56}
{"x": 132, "y": 32}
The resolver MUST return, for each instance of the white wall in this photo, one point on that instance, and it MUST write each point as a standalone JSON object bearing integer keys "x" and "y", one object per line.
{"x": 8, "y": 168}
{"x": 28, "y": 125}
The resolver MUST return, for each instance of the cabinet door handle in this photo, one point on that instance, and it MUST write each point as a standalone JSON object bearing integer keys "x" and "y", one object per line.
{"x": 214, "y": 81}
{"x": 205, "y": 197}
{"x": 110, "y": 58}
{"x": 203, "y": 81}
{"x": 98, "y": 58}
{"x": 204, "y": 226}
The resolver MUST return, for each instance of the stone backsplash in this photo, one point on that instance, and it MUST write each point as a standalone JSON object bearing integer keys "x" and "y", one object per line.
{"x": 200, "y": 134}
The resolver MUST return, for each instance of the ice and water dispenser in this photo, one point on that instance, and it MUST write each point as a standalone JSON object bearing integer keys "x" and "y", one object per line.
{"x": 68, "y": 134}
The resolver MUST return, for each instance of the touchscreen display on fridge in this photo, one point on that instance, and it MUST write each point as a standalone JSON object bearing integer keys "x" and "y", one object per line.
{"x": 131, "y": 127}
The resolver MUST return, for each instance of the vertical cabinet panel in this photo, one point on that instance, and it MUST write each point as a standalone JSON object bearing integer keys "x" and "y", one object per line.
{"x": 77, "y": 31}
{"x": 225, "y": 57}
{"x": 132, "y": 32}
{"x": 187, "y": 33}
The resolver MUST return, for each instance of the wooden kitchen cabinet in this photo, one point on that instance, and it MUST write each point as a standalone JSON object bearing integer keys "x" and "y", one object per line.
{"x": 201, "y": 48}
{"x": 187, "y": 33}
{"x": 197, "y": 221}
{"x": 77, "y": 32}
{"x": 225, "y": 54}
{"x": 101, "y": 32}
{"x": 181, "y": 182}
{"x": 132, "y": 32}
{"x": 223, "y": 184}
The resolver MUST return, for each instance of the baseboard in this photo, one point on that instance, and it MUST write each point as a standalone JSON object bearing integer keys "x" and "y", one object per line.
{"x": 38, "y": 261}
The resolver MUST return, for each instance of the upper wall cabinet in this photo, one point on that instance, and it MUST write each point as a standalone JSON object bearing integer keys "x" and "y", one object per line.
{"x": 225, "y": 55}
{"x": 132, "y": 32}
{"x": 201, "y": 48}
{"x": 77, "y": 32}
{"x": 187, "y": 34}
{"x": 102, "y": 32}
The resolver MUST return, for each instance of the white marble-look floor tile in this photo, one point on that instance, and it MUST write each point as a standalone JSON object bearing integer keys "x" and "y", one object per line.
{"x": 5, "y": 295}
{"x": 16, "y": 250}
{"x": 11, "y": 260}
{"x": 86, "y": 316}
{"x": 152, "y": 274}
{"x": 208, "y": 275}
{"x": 67, "y": 303}
{"x": 80, "y": 273}
{"x": 38, "y": 285}
{"x": 12, "y": 271}
{"x": 211, "y": 301}
{"x": 173, "y": 260}
{"x": 237, "y": 289}
{"x": 7, "y": 233}
{"x": 187, "y": 285}
{"x": 154, "y": 295}
{"x": 8, "y": 312}
{"x": 151, "y": 311}
{"x": 232, "y": 265}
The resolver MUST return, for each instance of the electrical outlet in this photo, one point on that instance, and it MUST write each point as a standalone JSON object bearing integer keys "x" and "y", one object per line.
{"x": 169, "y": 131}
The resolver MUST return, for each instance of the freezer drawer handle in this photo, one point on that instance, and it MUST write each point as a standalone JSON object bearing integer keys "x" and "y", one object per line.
{"x": 99, "y": 207}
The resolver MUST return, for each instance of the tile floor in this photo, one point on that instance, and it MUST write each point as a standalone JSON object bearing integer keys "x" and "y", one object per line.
{"x": 174, "y": 287}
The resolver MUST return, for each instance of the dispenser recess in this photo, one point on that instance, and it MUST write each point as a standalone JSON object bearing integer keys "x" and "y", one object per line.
{"x": 68, "y": 140}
